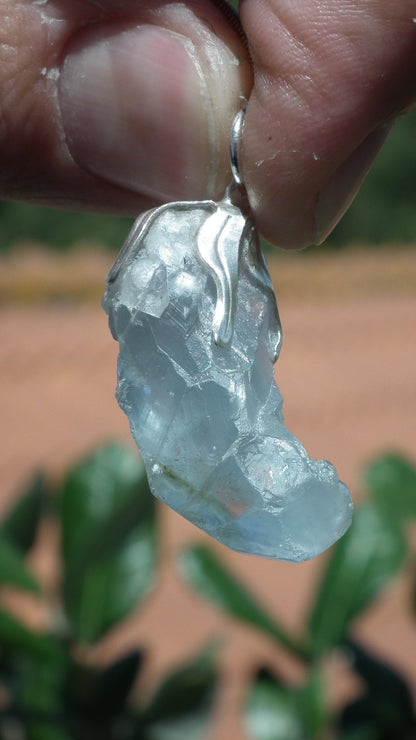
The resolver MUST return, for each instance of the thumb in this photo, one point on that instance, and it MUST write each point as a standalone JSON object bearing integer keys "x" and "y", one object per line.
{"x": 116, "y": 106}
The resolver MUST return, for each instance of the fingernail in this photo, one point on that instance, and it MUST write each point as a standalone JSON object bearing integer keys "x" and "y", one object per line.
{"x": 344, "y": 184}
{"x": 135, "y": 111}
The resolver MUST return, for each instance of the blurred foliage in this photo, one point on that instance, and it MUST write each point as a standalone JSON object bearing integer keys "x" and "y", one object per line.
{"x": 382, "y": 212}
{"x": 51, "y": 690}
{"x": 359, "y": 567}
{"x": 107, "y": 517}
{"x": 23, "y": 222}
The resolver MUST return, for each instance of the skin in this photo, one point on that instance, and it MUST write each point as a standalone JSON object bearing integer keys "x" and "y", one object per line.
{"x": 117, "y": 105}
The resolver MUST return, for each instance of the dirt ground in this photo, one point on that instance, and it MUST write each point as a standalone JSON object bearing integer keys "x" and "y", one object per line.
{"x": 347, "y": 372}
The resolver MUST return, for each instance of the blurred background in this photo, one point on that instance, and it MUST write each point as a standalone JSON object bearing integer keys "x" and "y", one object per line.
{"x": 346, "y": 372}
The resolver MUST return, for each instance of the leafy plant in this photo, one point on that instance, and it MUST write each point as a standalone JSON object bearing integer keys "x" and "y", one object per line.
{"x": 108, "y": 524}
{"x": 359, "y": 567}
{"x": 107, "y": 518}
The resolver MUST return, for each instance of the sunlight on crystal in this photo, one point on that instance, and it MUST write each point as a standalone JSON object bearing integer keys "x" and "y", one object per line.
{"x": 208, "y": 417}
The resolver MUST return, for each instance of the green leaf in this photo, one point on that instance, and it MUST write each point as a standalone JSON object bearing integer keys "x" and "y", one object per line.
{"x": 359, "y": 733}
{"x": 15, "y": 637}
{"x": 105, "y": 494}
{"x": 114, "y": 684}
{"x": 109, "y": 539}
{"x": 391, "y": 480}
{"x": 13, "y": 570}
{"x": 311, "y": 701}
{"x": 375, "y": 716}
{"x": 209, "y": 577}
{"x": 272, "y": 712}
{"x": 392, "y": 701}
{"x": 362, "y": 563}
{"x": 106, "y": 592}
{"x": 46, "y": 730}
{"x": 40, "y": 699}
{"x": 181, "y": 707}
{"x": 21, "y": 522}
{"x": 98, "y": 696}
{"x": 276, "y": 711}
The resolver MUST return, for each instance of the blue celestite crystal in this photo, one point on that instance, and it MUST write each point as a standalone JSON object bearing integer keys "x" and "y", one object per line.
{"x": 191, "y": 303}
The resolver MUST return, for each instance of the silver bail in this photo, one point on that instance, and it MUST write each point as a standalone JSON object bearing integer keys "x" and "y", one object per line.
{"x": 236, "y": 133}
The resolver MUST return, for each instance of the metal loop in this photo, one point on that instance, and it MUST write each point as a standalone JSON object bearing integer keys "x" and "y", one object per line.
{"x": 235, "y": 140}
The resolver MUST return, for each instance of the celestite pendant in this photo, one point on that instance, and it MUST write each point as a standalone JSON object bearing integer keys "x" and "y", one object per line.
{"x": 192, "y": 306}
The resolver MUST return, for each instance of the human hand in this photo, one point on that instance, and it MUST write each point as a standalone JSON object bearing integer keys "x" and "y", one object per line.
{"x": 118, "y": 105}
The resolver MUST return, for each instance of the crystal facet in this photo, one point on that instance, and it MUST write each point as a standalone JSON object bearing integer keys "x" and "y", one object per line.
{"x": 191, "y": 303}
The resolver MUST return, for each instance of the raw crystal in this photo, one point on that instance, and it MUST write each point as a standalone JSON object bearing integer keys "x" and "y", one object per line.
{"x": 191, "y": 303}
